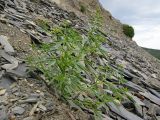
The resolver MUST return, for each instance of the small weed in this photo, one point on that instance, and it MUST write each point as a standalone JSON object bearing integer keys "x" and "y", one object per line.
{"x": 44, "y": 24}
{"x": 83, "y": 8}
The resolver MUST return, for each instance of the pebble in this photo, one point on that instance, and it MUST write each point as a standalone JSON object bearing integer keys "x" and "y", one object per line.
{"x": 18, "y": 110}
{"x": 42, "y": 107}
{"x": 50, "y": 106}
{"x": 2, "y": 92}
{"x": 154, "y": 75}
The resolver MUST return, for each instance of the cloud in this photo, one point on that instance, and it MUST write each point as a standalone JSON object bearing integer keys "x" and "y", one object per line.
{"x": 148, "y": 36}
{"x": 143, "y": 15}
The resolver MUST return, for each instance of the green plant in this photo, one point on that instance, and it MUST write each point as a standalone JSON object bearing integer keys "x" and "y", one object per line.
{"x": 44, "y": 24}
{"x": 76, "y": 66}
{"x": 128, "y": 30}
{"x": 83, "y": 8}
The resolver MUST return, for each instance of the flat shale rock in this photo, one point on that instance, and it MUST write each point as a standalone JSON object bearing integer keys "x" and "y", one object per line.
{"x": 13, "y": 61}
{"x": 6, "y": 45}
{"x": 30, "y": 118}
{"x": 121, "y": 111}
{"x": 151, "y": 97}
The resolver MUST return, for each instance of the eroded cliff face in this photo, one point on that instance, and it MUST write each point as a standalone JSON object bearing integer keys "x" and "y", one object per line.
{"x": 24, "y": 97}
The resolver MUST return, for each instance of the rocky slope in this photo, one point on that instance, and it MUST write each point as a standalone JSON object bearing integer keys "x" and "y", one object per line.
{"x": 25, "y": 96}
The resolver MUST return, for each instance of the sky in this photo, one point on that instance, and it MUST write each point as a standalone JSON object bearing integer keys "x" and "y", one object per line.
{"x": 143, "y": 15}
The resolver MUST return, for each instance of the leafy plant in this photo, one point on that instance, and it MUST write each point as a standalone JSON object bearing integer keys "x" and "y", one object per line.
{"x": 82, "y": 8}
{"x": 76, "y": 65}
{"x": 44, "y": 24}
{"x": 128, "y": 30}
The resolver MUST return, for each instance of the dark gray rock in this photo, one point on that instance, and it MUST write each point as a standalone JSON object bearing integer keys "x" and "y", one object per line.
{"x": 135, "y": 99}
{"x": 151, "y": 97}
{"x": 13, "y": 61}
{"x": 139, "y": 110}
{"x": 134, "y": 87}
{"x": 5, "y": 82}
{"x": 120, "y": 110}
{"x": 154, "y": 92}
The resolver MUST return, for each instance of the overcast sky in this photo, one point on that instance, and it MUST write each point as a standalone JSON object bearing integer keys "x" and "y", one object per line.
{"x": 143, "y": 15}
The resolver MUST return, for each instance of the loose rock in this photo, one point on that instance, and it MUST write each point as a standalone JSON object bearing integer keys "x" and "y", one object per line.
{"x": 18, "y": 110}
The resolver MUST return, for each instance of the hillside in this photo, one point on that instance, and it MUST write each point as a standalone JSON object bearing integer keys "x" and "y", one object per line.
{"x": 154, "y": 52}
{"x": 76, "y": 70}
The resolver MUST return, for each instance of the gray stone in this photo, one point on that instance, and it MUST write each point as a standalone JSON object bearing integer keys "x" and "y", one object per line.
{"x": 120, "y": 110}
{"x": 147, "y": 103}
{"x": 50, "y": 106}
{"x": 158, "y": 117}
{"x": 42, "y": 107}
{"x": 30, "y": 100}
{"x": 154, "y": 83}
{"x": 3, "y": 100}
{"x": 134, "y": 87}
{"x": 7, "y": 47}
{"x": 3, "y": 114}
{"x": 151, "y": 97}
{"x": 30, "y": 118}
{"x": 1, "y": 73}
{"x": 12, "y": 60}
{"x": 14, "y": 73}
{"x": 154, "y": 92}
{"x": 158, "y": 111}
{"x": 135, "y": 99}
{"x": 154, "y": 75}
{"x": 18, "y": 110}
{"x": 152, "y": 109}
{"x": 139, "y": 110}
{"x": 140, "y": 74}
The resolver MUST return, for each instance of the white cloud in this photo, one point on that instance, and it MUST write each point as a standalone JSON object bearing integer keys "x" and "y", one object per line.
{"x": 148, "y": 36}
